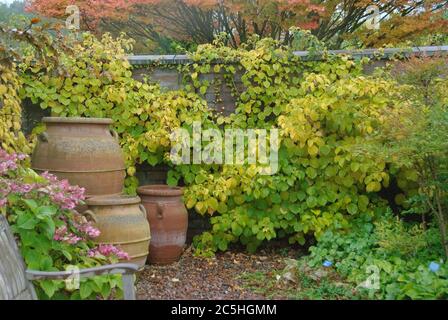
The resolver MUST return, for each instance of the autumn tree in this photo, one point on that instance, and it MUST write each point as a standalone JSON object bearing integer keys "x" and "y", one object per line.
{"x": 334, "y": 21}
{"x": 196, "y": 20}
{"x": 399, "y": 20}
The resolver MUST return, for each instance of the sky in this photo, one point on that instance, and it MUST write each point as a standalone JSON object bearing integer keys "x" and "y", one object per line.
{"x": 6, "y": 1}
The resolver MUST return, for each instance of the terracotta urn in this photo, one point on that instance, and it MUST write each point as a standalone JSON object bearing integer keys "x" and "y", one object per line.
{"x": 168, "y": 219}
{"x": 122, "y": 222}
{"x": 85, "y": 151}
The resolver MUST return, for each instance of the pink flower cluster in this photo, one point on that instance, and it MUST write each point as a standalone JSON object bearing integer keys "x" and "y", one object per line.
{"x": 76, "y": 229}
{"x": 18, "y": 187}
{"x": 8, "y": 161}
{"x": 108, "y": 250}
{"x": 62, "y": 234}
{"x": 62, "y": 193}
{"x": 89, "y": 230}
{"x": 13, "y": 186}
{"x": 84, "y": 229}
{"x": 83, "y": 226}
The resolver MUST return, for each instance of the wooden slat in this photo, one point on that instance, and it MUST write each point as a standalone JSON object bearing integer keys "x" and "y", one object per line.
{"x": 13, "y": 282}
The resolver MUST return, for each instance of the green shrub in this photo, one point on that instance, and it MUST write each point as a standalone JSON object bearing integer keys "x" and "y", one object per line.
{"x": 415, "y": 139}
{"x": 403, "y": 271}
{"x": 394, "y": 238}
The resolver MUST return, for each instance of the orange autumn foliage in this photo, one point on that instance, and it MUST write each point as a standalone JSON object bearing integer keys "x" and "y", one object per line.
{"x": 199, "y": 21}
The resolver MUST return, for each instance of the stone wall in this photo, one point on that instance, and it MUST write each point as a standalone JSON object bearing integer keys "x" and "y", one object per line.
{"x": 165, "y": 71}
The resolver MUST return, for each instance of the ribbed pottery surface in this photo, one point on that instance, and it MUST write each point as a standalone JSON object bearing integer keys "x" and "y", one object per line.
{"x": 83, "y": 151}
{"x": 122, "y": 222}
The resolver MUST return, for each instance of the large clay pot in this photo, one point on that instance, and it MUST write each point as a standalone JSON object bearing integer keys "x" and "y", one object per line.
{"x": 168, "y": 219}
{"x": 84, "y": 151}
{"x": 122, "y": 222}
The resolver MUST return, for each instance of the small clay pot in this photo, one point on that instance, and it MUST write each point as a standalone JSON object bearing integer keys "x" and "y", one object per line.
{"x": 122, "y": 222}
{"x": 168, "y": 219}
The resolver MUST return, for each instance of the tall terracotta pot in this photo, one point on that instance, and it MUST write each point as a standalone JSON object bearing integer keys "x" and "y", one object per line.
{"x": 168, "y": 219}
{"x": 122, "y": 222}
{"x": 85, "y": 151}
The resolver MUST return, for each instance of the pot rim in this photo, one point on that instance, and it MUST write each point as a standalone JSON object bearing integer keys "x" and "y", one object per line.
{"x": 160, "y": 190}
{"x": 113, "y": 200}
{"x": 81, "y": 120}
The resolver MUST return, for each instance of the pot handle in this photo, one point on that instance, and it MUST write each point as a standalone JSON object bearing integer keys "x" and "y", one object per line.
{"x": 160, "y": 209}
{"x": 114, "y": 134}
{"x": 143, "y": 210}
{"x": 91, "y": 215}
{"x": 43, "y": 137}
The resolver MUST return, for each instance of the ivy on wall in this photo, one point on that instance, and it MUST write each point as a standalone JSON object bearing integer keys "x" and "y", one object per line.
{"x": 322, "y": 108}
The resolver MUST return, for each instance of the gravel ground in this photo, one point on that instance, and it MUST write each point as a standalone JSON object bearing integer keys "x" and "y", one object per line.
{"x": 207, "y": 279}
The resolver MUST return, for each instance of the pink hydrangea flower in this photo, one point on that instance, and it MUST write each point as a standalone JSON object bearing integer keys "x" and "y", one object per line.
{"x": 61, "y": 192}
{"x": 108, "y": 250}
{"x": 62, "y": 234}
{"x": 48, "y": 176}
{"x": 91, "y": 231}
{"x": 73, "y": 239}
{"x": 8, "y": 161}
{"x": 88, "y": 230}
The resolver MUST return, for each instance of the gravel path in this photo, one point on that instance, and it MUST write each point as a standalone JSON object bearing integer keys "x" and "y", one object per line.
{"x": 210, "y": 279}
